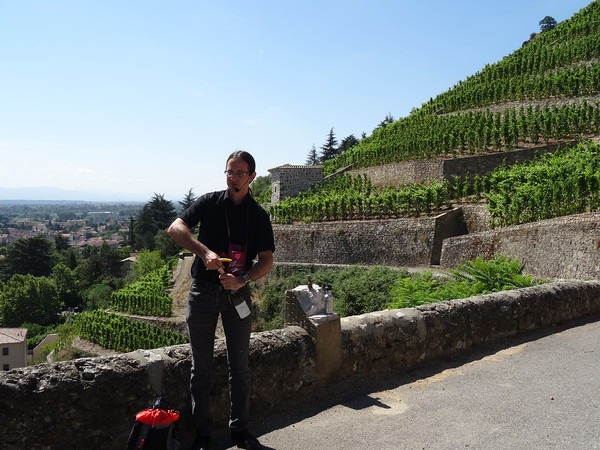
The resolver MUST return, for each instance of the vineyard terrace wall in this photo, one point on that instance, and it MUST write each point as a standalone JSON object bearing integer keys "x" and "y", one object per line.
{"x": 420, "y": 171}
{"x": 563, "y": 247}
{"x": 91, "y": 402}
{"x": 393, "y": 242}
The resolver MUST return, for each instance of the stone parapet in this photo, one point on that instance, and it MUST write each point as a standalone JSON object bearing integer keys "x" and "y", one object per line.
{"x": 396, "y": 340}
{"x": 91, "y": 402}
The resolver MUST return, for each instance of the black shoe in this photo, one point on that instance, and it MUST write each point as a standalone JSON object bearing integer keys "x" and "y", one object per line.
{"x": 243, "y": 439}
{"x": 201, "y": 443}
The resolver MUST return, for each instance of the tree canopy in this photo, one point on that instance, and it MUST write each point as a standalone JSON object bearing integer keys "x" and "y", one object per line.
{"x": 261, "y": 189}
{"x": 156, "y": 215}
{"x": 67, "y": 285}
{"x": 188, "y": 199}
{"x": 25, "y": 298}
{"x": 347, "y": 143}
{"x": 386, "y": 121}
{"x": 147, "y": 261}
{"x": 312, "y": 159}
{"x": 33, "y": 255}
{"x": 101, "y": 263}
{"x": 329, "y": 149}
{"x": 547, "y": 23}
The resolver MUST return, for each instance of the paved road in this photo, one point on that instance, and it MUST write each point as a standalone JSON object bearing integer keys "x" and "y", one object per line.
{"x": 540, "y": 391}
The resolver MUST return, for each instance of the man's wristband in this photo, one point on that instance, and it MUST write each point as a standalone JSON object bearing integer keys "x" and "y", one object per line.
{"x": 246, "y": 277}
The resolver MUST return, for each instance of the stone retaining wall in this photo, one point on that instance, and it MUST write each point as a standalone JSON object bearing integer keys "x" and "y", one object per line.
{"x": 91, "y": 402}
{"x": 420, "y": 171}
{"x": 395, "y": 242}
{"x": 564, "y": 247}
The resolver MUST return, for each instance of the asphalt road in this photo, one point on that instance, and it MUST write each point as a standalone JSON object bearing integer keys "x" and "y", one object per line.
{"x": 539, "y": 391}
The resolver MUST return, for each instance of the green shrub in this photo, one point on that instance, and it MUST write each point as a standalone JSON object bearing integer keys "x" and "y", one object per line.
{"x": 36, "y": 333}
{"x": 364, "y": 289}
{"x": 418, "y": 289}
{"x": 471, "y": 278}
{"x": 497, "y": 274}
{"x": 269, "y": 293}
{"x": 358, "y": 290}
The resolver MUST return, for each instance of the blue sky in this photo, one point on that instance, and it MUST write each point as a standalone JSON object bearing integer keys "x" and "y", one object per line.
{"x": 139, "y": 97}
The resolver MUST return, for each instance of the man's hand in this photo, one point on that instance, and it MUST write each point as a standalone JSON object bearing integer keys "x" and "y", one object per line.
{"x": 231, "y": 282}
{"x": 212, "y": 261}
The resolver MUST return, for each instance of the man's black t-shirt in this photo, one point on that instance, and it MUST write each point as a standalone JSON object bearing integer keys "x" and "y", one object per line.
{"x": 222, "y": 223}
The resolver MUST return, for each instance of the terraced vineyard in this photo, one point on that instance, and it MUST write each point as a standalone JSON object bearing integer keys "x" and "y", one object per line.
{"x": 546, "y": 92}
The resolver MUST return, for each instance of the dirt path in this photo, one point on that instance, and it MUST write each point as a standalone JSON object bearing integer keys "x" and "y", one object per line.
{"x": 182, "y": 279}
{"x": 91, "y": 349}
{"x": 181, "y": 285}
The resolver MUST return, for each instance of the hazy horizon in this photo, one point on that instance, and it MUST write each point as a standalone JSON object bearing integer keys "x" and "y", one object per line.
{"x": 50, "y": 194}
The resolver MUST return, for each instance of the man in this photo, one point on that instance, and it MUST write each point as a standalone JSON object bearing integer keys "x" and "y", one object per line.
{"x": 234, "y": 230}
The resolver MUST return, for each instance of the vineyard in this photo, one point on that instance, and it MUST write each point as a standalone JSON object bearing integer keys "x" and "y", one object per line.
{"x": 565, "y": 183}
{"x": 553, "y": 185}
{"x": 147, "y": 296}
{"x": 472, "y": 132}
{"x": 545, "y": 91}
{"x": 112, "y": 329}
{"x": 123, "y": 334}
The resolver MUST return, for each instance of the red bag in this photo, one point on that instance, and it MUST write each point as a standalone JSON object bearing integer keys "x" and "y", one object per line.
{"x": 156, "y": 428}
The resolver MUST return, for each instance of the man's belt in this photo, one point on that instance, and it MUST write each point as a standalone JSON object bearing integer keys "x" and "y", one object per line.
{"x": 208, "y": 285}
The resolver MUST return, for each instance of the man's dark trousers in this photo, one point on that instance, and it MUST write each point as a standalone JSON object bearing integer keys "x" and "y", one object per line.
{"x": 205, "y": 303}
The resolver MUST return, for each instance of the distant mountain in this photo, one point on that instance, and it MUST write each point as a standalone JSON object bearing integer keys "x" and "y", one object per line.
{"x": 44, "y": 193}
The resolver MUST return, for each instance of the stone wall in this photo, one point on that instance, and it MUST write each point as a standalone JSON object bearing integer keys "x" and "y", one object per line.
{"x": 396, "y": 340}
{"x": 406, "y": 172}
{"x": 91, "y": 402}
{"x": 564, "y": 247}
{"x": 477, "y": 218}
{"x": 394, "y": 242}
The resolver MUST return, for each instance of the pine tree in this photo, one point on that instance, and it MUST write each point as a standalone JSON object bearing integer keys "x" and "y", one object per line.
{"x": 329, "y": 150}
{"x": 188, "y": 199}
{"x": 347, "y": 143}
{"x": 312, "y": 159}
{"x": 156, "y": 215}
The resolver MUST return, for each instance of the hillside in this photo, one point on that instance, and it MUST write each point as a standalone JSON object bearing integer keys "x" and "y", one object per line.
{"x": 546, "y": 91}
{"x": 544, "y": 94}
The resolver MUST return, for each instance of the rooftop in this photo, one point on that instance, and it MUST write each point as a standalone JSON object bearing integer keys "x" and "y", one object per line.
{"x": 12, "y": 335}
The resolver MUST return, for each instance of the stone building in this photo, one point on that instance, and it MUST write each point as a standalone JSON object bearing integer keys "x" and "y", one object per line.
{"x": 289, "y": 180}
{"x": 13, "y": 348}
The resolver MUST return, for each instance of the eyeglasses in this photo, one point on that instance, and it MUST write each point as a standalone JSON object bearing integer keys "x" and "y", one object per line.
{"x": 237, "y": 174}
